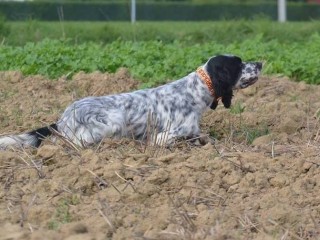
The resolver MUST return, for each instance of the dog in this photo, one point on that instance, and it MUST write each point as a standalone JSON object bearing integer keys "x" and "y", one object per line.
{"x": 171, "y": 111}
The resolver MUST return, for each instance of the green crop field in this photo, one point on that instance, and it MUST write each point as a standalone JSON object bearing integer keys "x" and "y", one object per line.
{"x": 188, "y": 32}
{"x": 158, "y": 52}
{"x": 155, "y": 62}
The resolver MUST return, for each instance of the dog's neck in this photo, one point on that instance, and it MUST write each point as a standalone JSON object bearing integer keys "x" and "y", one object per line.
{"x": 207, "y": 80}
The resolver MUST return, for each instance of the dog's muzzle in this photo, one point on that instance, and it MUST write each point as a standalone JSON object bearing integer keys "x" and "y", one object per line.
{"x": 249, "y": 75}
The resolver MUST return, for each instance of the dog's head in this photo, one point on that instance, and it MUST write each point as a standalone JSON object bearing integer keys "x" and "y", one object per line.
{"x": 229, "y": 73}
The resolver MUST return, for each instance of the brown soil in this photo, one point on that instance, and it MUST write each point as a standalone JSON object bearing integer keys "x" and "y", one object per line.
{"x": 259, "y": 180}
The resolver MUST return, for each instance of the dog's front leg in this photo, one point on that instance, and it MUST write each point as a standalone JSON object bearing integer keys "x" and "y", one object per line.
{"x": 165, "y": 138}
{"x": 191, "y": 133}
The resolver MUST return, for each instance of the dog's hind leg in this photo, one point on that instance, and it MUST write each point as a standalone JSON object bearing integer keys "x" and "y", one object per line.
{"x": 94, "y": 129}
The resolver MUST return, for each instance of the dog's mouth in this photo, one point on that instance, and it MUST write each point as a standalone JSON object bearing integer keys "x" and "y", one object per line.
{"x": 245, "y": 83}
{"x": 249, "y": 75}
{"x": 248, "y": 83}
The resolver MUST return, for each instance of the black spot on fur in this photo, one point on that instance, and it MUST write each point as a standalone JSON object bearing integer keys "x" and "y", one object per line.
{"x": 142, "y": 94}
{"x": 189, "y": 97}
{"x": 186, "y": 112}
{"x": 195, "y": 83}
{"x": 42, "y": 133}
{"x": 144, "y": 111}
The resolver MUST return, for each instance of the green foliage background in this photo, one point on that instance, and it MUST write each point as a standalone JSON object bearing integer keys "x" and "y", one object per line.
{"x": 156, "y": 52}
{"x": 155, "y": 62}
{"x": 224, "y": 32}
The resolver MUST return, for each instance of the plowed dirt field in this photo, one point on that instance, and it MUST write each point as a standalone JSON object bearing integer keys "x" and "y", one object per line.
{"x": 259, "y": 179}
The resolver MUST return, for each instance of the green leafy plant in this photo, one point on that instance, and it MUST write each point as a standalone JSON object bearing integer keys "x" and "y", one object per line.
{"x": 215, "y": 133}
{"x": 237, "y": 108}
{"x": 247, "y": 134}
{"x": 155, "y": 62}
{"x": 253, "y": 133}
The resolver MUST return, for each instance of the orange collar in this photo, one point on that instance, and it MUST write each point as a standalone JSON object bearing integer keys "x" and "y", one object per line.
{"x": 207, "y": 80}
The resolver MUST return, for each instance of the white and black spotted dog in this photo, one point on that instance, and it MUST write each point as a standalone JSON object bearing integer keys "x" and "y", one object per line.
{"x": 176, "y": 108}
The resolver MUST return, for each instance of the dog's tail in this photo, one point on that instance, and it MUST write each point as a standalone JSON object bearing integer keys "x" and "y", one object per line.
{"x": 32, "y": 138}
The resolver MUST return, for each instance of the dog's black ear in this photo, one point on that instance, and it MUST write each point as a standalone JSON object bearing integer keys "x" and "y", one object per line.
{"x": 214, "y": 105}
{"x": 226, "y": 99}
{"x": 224, "y": 72}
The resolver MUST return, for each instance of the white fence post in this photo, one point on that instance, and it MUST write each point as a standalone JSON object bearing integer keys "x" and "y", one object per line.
{"x": 133, "y": 11}
{"x": 282, "y": 11}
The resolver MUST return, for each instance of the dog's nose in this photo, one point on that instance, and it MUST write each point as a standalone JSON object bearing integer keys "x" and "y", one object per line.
{"x": 259, "y": 65}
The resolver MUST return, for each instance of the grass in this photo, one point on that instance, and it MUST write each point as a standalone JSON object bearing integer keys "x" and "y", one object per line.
{"x": 244, "y": 132}
{"x": 253, "y": 133}
{"x": 237, "y": 108}
{"x": 239, "y": 131}
{"x": 62, "y": 214}
{"x": 224, "y": 32}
